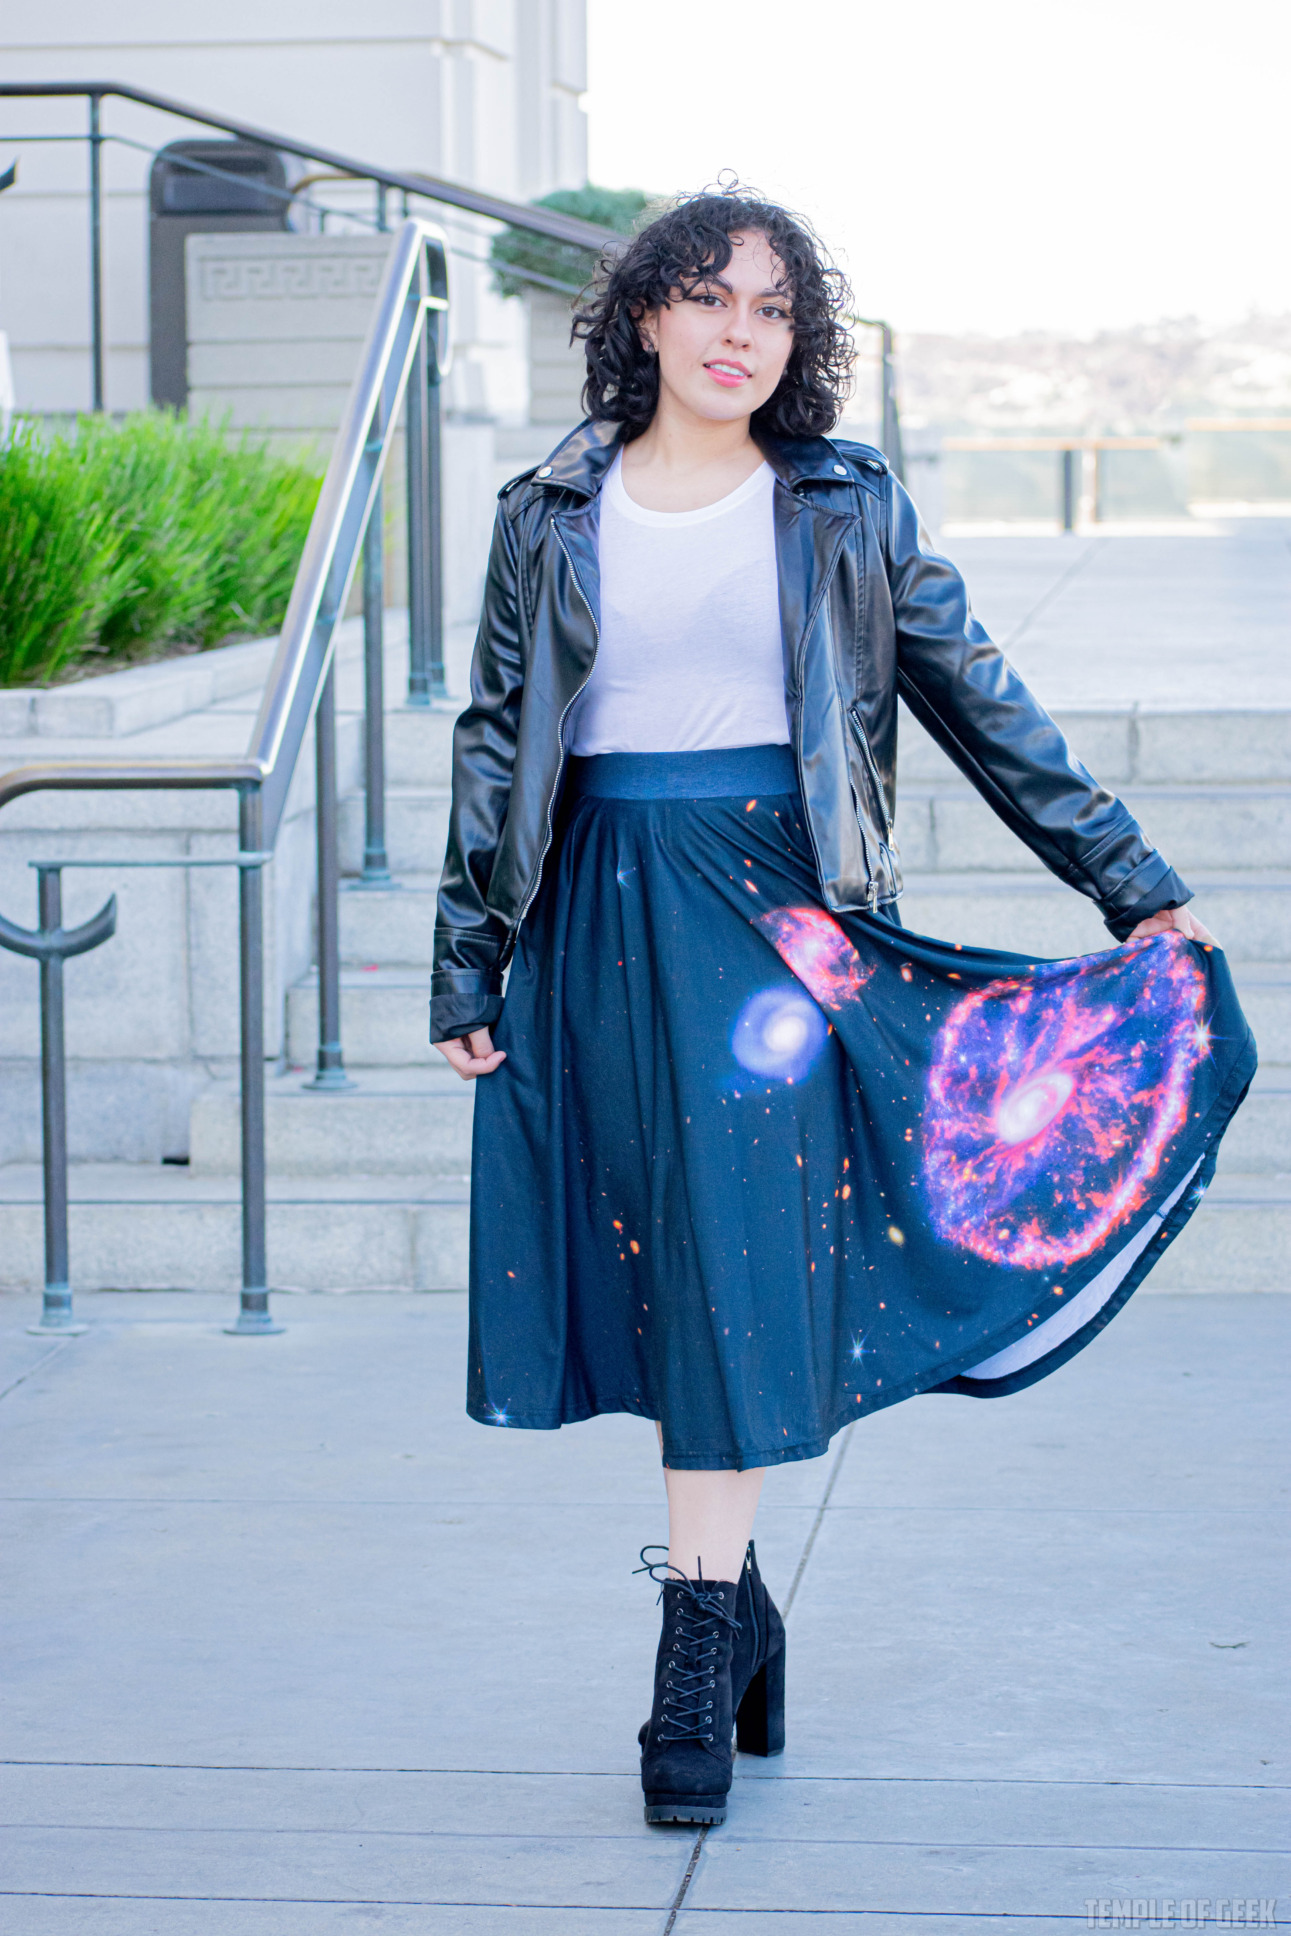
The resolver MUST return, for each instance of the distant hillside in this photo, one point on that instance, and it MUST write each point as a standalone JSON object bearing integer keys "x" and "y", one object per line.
{"x": 1149, "y": 378}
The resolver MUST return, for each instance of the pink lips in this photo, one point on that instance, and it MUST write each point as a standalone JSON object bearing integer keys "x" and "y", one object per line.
{"x": 727, "y": 376}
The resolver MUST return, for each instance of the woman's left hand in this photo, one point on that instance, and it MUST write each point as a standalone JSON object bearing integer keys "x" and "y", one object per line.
{"x": 1180, "y": 920}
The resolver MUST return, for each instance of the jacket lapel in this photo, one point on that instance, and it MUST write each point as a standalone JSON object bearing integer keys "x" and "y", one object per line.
{"x": 808, "y": 543}
{"x": 578, "y": 534}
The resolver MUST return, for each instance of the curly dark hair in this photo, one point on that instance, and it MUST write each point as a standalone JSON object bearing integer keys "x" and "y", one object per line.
{"x": 675, "y": 252}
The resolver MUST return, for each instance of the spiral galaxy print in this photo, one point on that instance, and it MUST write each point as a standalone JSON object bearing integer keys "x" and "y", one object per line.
{"x": 1053, "y": 1097}
{"x": 780, "y": 1031}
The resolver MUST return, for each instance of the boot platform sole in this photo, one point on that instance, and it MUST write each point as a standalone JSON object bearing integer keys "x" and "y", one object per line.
{"x": 701, "y": 1810}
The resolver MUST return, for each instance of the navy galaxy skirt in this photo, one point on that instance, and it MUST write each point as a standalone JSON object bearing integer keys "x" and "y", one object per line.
{"x": 753, "y": 1169}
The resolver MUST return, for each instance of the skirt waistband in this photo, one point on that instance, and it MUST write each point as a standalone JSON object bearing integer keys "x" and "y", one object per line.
{"x": 711, "y": 774}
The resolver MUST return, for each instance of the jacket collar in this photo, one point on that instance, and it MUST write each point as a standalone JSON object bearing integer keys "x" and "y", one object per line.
{"x": 581, "y": 462}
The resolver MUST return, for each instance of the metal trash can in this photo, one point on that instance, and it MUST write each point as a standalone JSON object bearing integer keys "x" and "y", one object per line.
{"x": 197, "y": 188}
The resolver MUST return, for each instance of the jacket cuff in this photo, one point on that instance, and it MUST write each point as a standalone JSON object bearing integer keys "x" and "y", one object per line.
{"x": 457, "y": 1014}
{"x": 1152, "y": 886}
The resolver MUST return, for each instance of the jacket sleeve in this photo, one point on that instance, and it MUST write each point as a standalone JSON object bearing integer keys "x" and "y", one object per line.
{"x": 466, "y": 984}
{"x": 959, "y": 685}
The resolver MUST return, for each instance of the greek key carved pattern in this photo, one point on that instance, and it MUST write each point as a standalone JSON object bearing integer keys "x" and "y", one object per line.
{"x": 238, "y": 278}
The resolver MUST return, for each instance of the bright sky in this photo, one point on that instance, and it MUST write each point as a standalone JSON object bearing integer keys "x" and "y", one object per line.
{"x": 978, "y": 164}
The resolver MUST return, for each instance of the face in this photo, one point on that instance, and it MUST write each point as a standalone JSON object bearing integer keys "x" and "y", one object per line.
{"x": 723, "y": 345}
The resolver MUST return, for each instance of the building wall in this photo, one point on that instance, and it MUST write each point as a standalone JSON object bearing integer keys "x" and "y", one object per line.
{"x": 486, "y": 92}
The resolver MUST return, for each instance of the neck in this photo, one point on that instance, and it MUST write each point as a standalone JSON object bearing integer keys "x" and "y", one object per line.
{"x": 678, "y": 440}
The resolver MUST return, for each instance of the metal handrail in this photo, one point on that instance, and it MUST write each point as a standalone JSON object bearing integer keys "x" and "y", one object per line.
{"x": 322, "y": 579}
{"x": 542, "y": 221}
{"x": 413, "y": 291}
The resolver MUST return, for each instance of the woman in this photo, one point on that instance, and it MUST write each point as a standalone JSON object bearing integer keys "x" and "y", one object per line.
{"x": 751, "y": 1161}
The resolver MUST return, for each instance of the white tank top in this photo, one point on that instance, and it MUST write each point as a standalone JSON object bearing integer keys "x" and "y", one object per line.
{"x": 689, "y": 653}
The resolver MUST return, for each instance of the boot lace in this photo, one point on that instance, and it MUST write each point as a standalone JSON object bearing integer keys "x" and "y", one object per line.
{"x": 699, "y": 1616}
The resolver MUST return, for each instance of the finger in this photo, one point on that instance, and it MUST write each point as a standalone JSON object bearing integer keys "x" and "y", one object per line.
{"x": 479, "y": 1066}
{"x": 1152, "y": 924}
{"x": 1188, "y": 924}
{"x": 468, "y": 1066}
{"x": 480, "y": 1042}
{"x": 453, "y": 1052}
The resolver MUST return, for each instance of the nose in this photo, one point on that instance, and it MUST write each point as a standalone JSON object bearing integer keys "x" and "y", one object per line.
{"x": 739, "y": 326}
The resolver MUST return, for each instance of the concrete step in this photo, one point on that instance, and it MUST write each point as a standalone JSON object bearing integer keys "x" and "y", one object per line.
{"x": 1121, "y": 745}
{"x": 389, "y": 926}
{"x": 395, "y": 1122}
{"x": 419, "y": 745}
{"x": 416, "y": 829}
{"x": 1124, "y": 744}
{"x": 1236, "y": 1240}
{"x": 385, "y": 1017}
{"x": 944, "y": 829}
{"x": 144, "y": 1227}
{"x": 1250, "y": 913}
{"x": 940, "y": 829}
{"x": 1258, "y": 1142}
{"x": 1264, "y": 988}
{"x": 152, "y": 1228}
{"x": 1207, "y": 786}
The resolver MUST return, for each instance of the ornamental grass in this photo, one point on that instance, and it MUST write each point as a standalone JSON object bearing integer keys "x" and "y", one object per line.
{"x": 133, "y": 540}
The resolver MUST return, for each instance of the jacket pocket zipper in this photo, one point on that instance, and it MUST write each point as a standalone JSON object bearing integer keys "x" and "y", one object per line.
{"x": 871, "y": 765}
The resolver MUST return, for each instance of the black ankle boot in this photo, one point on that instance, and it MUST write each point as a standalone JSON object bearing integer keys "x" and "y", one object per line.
{"x": 757, "y": 1666}
{"x": 686, "y": 1750}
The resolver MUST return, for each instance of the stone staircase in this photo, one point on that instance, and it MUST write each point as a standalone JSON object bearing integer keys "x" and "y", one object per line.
{"x": 1212, "y": 788}
{"x": 369, "y": 1188}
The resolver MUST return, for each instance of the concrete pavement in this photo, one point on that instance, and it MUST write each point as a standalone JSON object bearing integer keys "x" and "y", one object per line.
{"x": 293, "y": 1647}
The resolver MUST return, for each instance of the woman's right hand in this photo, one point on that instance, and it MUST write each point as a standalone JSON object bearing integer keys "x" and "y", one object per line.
{"x": 472, "y": 1055}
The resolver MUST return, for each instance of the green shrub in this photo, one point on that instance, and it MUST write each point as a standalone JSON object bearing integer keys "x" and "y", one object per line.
{"x": 619, "y": 209}
{"x": 58, "y": 561}
{"x": 123, "y": 541}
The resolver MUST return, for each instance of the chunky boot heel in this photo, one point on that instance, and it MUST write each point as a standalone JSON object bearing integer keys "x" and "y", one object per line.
{"x": 757, "y": 1665}
{"x": 686, "y": 1751}
{"x": 759, "y": 1718}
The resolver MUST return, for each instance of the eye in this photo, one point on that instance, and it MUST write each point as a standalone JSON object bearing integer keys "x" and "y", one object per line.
{"x": 777, "y": 312}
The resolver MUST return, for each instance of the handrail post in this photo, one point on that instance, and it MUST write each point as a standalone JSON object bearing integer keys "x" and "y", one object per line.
{"x": 56, "y": 1310}
{"x": 434, "y": 518}
{"x": 417, "y": 447}
{"x": 376, "y": 862}
{"x": 329, "y": 1073}
{"x": 50, "y": 944}
{"x": 253, "y": 1315}
{"x": 96, "y": 253}
{"x": 1068, "y": 488}
{"x": 891, "y": 418}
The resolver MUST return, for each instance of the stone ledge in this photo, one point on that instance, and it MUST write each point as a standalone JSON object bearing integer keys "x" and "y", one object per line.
{"x": 112, "y": 704}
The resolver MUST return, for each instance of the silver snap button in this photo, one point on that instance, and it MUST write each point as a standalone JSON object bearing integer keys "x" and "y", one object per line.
{"x": 840, "y": 470}
{"x": 545, "y": 471}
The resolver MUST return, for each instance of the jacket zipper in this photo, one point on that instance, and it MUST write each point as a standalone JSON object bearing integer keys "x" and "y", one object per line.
{"x": 871, "y": 765}
{"x": 534, "y": 879}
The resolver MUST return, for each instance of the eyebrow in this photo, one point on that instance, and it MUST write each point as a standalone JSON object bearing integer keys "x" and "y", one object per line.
{"x": 781, "y": 295}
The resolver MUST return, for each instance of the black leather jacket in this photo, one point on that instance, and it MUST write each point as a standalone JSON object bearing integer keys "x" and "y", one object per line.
{"x": 867, "y": 612}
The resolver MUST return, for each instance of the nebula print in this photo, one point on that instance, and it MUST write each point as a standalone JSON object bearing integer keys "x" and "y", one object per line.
{"x": 1052, "y": 1098}
{"x": 813, "y": 944}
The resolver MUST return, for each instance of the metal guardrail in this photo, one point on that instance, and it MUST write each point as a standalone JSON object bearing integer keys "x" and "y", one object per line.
{"x": 889, "y": 413}
{"x": 540, "y": 221}
{"x": 1090, "y": 449}
{"x": 399, "y": 355}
